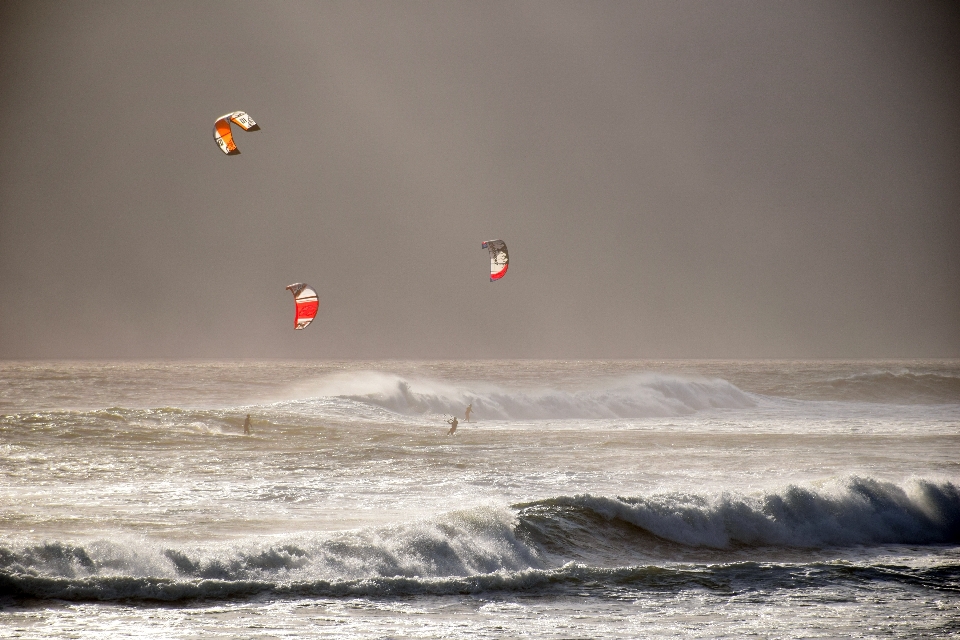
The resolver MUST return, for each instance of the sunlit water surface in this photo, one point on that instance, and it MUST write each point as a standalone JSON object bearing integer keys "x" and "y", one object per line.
{"x": 584, "y": 499}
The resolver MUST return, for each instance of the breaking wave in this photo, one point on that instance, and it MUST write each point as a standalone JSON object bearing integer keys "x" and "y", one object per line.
{"x": 580, "y": 542}
{"x": 637, "y": 396}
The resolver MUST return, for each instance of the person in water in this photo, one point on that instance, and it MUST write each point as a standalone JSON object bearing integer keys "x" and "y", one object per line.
{"x": 453, "y": 426}
{"x": 467, "y": 412}
{"x": 246, "y": 426}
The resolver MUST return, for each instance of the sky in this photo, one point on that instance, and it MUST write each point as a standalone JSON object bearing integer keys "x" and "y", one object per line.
{"x": 676, "y": 179}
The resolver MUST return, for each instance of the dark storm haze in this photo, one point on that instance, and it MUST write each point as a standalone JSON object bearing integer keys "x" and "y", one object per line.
{"x": 674, "y": 179}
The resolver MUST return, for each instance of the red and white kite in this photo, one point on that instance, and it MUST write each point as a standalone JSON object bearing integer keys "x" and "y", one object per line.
{"x": 499, "y": 259}
{"x": 305, "y": 297}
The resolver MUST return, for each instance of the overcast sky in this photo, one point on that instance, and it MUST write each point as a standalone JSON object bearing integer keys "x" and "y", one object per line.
{"x": 673, "y": 179}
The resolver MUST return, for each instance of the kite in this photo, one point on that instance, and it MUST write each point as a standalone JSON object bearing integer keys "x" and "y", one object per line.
{"x": 498, "y": 258}
{"x": 305, "y": 298}
{"x": 224, "y": 135}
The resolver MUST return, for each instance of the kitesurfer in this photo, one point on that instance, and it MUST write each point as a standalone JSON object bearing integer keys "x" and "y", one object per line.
{"x": 453, "y": 426}
{"x": 246, "y": 426}
{"x": 467, "y": 412}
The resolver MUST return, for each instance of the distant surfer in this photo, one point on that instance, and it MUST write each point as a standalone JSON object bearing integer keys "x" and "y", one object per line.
{"x": 468, "y": 412}
{"x": 246, "y": 426}
{"x": 453, "y": 426}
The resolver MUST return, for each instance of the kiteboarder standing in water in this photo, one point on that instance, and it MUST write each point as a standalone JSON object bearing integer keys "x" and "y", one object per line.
{"x": 453, "y": 426}
{"x": 467, "y": 412}
{"x": 246, "y": 426}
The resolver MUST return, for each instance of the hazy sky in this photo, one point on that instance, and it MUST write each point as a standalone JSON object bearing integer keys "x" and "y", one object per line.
{"x": 673, "y": 179}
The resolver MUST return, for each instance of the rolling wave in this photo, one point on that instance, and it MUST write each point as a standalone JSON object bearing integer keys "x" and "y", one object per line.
{"x": 855, "y": 511}
{"x": 901, "y": 385}
{"x": 887, "y": 385}
{"x": 560, "y": 542}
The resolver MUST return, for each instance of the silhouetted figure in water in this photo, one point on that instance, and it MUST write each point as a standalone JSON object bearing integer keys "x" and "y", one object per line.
{"x": 468, "y": 411}
{"x": 453, "y": 426}
{"x": 246, "y": 426}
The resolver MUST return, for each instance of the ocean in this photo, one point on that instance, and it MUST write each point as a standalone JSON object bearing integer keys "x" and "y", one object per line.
{"x": 584, "y": 499}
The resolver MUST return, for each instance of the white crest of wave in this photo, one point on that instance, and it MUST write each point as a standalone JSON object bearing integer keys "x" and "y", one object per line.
{"x": 644, "y": 395}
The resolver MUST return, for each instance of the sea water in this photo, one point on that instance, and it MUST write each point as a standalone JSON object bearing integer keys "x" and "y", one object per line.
{"x": 593, "y": 499}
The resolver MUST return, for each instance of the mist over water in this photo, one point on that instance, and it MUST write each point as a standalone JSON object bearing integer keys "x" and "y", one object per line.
{"x": 671, "y": 483}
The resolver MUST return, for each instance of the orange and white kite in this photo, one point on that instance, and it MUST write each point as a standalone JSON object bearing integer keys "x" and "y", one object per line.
{"x": 223, "y": 134}
{"x": 307, "y": 302}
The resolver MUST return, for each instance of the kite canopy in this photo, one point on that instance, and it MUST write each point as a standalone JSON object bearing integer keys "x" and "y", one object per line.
{"x": 223, "y": 134}
{"x": 498, "y": 258}
{"x": 305, "y": 297}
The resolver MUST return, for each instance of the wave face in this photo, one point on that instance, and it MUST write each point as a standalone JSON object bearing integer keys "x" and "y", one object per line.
{"x": 565, "y": 540}
{"x": 635, "y": 396}
{"x": 856, "y": 511}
